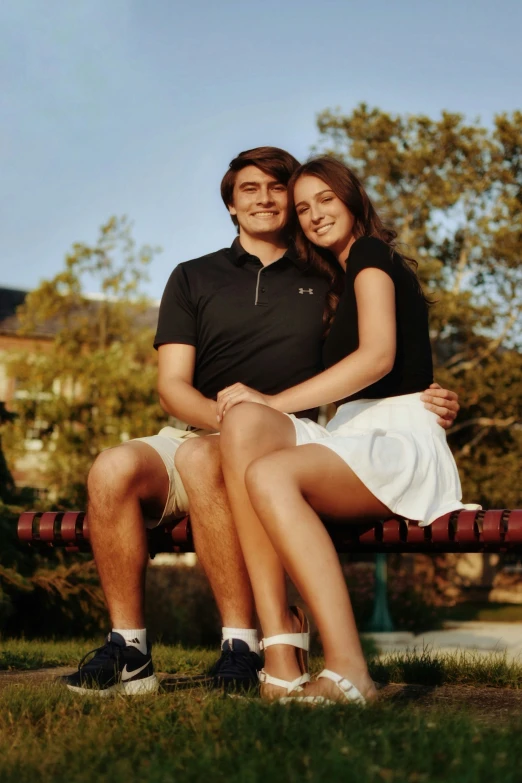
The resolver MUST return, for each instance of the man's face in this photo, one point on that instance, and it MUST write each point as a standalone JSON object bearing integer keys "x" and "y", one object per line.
{"x": 260, "y": 203}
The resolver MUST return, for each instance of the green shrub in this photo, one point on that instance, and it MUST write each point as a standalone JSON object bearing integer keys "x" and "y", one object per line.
{"x": 180, "y": 607}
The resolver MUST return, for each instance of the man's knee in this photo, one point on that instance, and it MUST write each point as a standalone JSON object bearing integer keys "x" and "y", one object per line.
{"x": 114, "y": 472}
{"x": 199, "y": 460}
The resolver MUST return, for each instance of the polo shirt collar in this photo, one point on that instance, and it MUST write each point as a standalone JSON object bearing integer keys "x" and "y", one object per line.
{"x": 239, "y": 255}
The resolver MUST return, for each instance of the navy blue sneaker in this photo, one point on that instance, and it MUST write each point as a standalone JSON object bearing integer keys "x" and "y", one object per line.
{"x": 115, "y": 668}
{"x": 237, "y": 667}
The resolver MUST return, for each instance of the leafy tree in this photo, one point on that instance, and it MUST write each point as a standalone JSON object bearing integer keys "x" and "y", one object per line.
{"x": 90, "y": 388}
{"x": 453, "y": 190}
{"x": 95, "y": 385}
{"x": 7, "y": 486}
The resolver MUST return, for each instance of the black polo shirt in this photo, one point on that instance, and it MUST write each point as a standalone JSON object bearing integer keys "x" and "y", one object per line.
{"x": 261, "y": 326}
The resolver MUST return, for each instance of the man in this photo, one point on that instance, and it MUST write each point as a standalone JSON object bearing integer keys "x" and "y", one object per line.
{"x": 250, "y": 313}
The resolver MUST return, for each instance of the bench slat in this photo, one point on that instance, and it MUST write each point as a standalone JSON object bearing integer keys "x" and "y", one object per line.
{"x": 493, "y": 527}
{"x": 514, "y": 527}
{"x": 496, "y": 530}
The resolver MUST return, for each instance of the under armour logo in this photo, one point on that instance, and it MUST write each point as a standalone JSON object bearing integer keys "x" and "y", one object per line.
{"x": 306, "y": 290}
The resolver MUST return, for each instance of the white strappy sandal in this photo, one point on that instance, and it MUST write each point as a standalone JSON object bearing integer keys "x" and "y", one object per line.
{"x": 350, "y": 693}
{"x": 301, "y": 641}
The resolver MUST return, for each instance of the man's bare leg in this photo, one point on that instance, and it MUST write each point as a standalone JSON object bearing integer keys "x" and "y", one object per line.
{"x": 122, "y": 483}
{"x": 215, "y": 538}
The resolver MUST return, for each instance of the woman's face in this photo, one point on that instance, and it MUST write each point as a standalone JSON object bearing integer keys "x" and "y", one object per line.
{"x": 324, "y": 218}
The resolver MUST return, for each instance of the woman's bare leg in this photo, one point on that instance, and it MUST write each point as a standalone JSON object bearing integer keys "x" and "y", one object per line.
{"x": 287, "y": 488}
{"x": 250, "y": 431}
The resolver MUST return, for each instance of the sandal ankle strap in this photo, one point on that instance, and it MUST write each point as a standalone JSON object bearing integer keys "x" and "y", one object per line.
{"x": 267, "y": 679}
{"x": 300, "y": 640}
{"x": 351, "y": 693}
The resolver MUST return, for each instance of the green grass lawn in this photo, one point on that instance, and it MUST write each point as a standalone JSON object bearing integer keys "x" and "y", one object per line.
{"x": 48, "y": 734}
{"x": 23, "y": 654}
{"x": 484, "y": 612}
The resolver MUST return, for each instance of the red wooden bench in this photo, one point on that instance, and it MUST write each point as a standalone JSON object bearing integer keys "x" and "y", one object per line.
{"x": 497, "y": 530}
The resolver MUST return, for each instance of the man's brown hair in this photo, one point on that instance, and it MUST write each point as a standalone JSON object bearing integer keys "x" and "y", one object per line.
{"x": 271, "y": 160}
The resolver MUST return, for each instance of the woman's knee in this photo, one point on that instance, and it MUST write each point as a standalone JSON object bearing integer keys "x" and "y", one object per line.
{"x": 245, "y": 415}
{"x": 242, "y": 426}
{"x": 266, "y": 476}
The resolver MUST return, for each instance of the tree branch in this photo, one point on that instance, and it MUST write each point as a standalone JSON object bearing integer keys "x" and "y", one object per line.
{"x": 465, "y": 450}
{"x": 482, "y": 421}
{"x": 491, "y": 348}
{"x": 461, "y": 266}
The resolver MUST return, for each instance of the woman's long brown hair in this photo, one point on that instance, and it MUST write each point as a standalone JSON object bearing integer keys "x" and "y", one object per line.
{"x": 367, "y": 223}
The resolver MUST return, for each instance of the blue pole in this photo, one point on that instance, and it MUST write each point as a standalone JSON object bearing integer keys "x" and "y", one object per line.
{"x": 380, "y": 620}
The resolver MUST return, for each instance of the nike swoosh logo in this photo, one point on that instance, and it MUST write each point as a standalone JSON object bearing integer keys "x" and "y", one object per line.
{"x": 127, "y": 675}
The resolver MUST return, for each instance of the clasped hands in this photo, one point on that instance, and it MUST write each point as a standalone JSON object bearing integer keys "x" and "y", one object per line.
{"x": 442, "y": 402}
{"x": 236, "y": 393}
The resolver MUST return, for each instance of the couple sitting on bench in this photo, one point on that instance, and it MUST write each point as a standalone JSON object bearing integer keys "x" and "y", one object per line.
{"x": 311, "y": 305}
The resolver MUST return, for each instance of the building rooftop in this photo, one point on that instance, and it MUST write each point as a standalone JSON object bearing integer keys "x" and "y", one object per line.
{"x": 12, "y": 298}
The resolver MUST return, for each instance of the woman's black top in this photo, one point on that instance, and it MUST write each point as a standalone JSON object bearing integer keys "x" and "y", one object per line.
{"x": 413, "y": 367}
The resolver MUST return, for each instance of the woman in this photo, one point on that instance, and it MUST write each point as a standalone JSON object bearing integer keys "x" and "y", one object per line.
{"x": 381, "y": 454}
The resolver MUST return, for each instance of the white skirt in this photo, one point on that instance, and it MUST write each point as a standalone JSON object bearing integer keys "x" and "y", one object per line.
{"x": 397, "y": 449}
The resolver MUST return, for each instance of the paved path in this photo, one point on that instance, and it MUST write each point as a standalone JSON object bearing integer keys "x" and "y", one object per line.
{"x": 476, "y": 637}
{"x": 32, "y": 676}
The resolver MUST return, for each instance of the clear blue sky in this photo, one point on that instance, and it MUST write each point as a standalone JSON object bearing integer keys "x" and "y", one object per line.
{"x": 126, "y": 106}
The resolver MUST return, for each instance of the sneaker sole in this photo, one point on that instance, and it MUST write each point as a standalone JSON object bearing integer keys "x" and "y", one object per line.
{"x": 132, "y": 688}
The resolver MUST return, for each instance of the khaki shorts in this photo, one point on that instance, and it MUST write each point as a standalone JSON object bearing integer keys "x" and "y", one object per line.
{"x": 166, "y": 443}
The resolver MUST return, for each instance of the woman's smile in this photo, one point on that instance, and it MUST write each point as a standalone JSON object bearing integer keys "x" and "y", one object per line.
{"x": 323, "y": 229}
{"x": 324, "y": 218}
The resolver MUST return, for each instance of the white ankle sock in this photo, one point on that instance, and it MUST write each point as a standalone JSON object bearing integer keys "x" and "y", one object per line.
{"x": 137, "y": 637}
{"x": 248, "y": 635}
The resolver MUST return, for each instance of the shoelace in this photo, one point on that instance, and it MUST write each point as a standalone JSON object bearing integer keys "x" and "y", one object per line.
{"x": 109, "y": 650}
{"x": 239, "y": 660}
